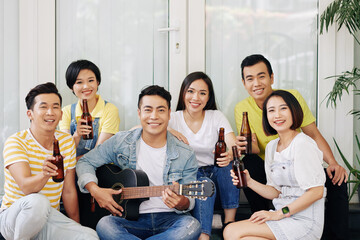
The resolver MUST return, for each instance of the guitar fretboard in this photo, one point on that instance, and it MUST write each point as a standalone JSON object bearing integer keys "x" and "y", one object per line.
{"x": 144, "y": 192}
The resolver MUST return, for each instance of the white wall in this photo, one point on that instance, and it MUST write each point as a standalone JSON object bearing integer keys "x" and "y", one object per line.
{"x": 36, "y": 48}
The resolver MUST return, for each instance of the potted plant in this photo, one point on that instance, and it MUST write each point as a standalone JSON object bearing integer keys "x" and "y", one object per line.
{"x": 345, "y": 13}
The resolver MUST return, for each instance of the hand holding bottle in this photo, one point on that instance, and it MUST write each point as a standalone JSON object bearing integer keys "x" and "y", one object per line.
{"x": 49, "y": 169}
{"x": 239, "y": 168}
{"x": 235, "y": 179}
{"x": 82, "y": 129}
{"x": 224, "y": 159}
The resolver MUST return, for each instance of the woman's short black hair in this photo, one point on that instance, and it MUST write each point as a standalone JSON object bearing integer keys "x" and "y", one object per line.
{"x": 74, "y": 69}
{"x": 294, "y": 106}
{"x": 211, "y": 104}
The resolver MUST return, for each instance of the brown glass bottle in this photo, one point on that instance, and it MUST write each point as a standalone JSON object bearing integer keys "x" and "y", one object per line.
{"x": 246, "y": 132}
{"x": 220, "y": 146}
{"x": 86, "y": 115}
{"x": 238, "y": 168}
{"x": 59, "y": 162}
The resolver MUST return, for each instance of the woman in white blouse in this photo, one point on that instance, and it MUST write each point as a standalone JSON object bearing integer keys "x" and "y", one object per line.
{"x": 295, "y": 178}
{"x": 197, "y": 122}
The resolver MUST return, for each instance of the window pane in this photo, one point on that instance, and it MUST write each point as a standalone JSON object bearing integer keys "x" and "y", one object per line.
{"x": 283, "y": 31}
{"x": 121, "y": 38}
{"x": 9, "y": 75}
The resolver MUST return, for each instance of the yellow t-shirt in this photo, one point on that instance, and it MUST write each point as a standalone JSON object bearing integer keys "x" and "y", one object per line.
{"x": 108, "y": 114}
{"x": 23, "y": 147}
{"x": 255, "y": 118}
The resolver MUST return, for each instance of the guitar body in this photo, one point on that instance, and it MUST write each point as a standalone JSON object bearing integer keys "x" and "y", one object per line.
{"x": 111, "y": 176}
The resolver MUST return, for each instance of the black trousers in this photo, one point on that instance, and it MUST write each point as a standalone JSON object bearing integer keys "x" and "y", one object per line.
{"x": 336, "y": 204}
{"x": 336, "y": 211}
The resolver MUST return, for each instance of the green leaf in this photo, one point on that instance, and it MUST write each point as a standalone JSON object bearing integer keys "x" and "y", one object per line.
{"x": 343, "y": 157}
{"x": 342, "y": 83}
{"x": 354, "y": 190}
{"x": 353, "y": 171}
{"x": 344, "y": 12}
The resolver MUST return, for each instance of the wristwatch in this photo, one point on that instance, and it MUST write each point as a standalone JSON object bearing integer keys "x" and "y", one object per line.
{"x": 285, "y": 210}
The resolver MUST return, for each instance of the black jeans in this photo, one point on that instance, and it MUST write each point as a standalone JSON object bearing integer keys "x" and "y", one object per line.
{"x": 336, "y": 211}
{"x": 336, "y": 204}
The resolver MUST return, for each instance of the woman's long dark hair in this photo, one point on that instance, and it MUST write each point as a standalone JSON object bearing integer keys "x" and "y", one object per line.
{"x": 211, "y": 104}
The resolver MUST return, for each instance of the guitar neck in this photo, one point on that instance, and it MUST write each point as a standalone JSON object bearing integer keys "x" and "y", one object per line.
{"x": 145, "y": 192}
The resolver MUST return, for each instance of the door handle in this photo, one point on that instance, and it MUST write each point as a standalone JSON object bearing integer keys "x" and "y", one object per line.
{"x": 170, "y": 29}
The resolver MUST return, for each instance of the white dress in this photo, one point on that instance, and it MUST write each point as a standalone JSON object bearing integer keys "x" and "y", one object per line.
{"x": 293, "y": 171}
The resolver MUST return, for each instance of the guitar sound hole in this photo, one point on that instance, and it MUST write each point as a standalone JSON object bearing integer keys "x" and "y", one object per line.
{"x": 117, "y": 197}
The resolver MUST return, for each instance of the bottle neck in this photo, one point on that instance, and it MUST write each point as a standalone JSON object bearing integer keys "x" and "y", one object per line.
{"x": 221, "y": 136}
{"x": 85, "y": 107}
{"x": 56, "y": 150}
{"x": 245, "y": 127}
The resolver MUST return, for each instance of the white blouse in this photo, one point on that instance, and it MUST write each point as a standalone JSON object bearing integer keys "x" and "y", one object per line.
{"x": 203, "y": 142}
{"x": 307, "y": 158}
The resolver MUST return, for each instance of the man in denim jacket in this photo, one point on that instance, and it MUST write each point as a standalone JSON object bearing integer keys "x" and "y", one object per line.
{"x": 165, "y": 160}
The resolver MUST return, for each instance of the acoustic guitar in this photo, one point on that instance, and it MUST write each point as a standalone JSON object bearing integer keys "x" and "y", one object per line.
{"x": 135, "y": 189}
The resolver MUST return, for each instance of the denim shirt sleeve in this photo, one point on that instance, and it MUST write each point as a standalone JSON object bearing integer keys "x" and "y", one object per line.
{"x": 86, "y": 166}
{"x": 189, "y": 175}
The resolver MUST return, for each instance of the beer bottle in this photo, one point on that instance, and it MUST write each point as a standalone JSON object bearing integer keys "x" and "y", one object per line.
{"x": 220, "y": 146}
{"x": 86, "y": 115}
{"x": 246, "y": 132}
{"x": 238, "y": 168}
{"x": 58, "y": 162}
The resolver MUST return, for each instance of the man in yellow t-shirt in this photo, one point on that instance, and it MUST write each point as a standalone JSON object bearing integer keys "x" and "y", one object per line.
{"x": 257, "y": 78}
{"x": 29, "y": 209}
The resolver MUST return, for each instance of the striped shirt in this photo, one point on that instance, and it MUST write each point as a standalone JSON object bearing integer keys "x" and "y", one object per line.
{"x": 23, "y": 147}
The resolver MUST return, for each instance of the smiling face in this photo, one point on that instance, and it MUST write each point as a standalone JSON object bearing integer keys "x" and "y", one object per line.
{"x": 279, "y": 114}
{"x": 196, "y": 96}
{"x": 46, "y": 112}
{"x": 86, "y": 85}
{"x": 154, "y": 114}
{"x": 257, "y": 82}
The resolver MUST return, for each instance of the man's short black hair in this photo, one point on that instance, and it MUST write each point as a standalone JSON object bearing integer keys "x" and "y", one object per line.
{"x": 155, "y": 90}
{"x": 74, "y": 69}
{"x": 44, "y": 88}
{"x": 294, "y": 106}
{"x": 254, "y": 59}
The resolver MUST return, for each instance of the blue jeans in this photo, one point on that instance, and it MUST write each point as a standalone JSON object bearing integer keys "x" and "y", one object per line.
{"x": 229, "y": 195}
{"x": 165, "y": 225}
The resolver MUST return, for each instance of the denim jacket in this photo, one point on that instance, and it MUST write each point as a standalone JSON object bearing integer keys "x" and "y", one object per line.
{"x": 120, "y": 149}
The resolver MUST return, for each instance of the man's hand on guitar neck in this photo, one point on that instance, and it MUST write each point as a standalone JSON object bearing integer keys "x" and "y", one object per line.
{"x": 172, "y": 200}
{"x": 104, "y": 197}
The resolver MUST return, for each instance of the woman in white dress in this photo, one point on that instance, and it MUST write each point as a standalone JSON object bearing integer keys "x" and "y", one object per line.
{"x": 295, "y": 179}
{"x": 197, "y": 122}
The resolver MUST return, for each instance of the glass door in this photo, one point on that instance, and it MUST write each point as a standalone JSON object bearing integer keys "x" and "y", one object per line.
{"x": 122, "y": 38}
{"x": 283, "y": 31}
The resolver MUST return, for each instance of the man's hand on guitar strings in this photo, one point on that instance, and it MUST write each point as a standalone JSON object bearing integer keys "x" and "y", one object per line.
{"x": 172, "y": 200}
{"x": 104, "y": 197}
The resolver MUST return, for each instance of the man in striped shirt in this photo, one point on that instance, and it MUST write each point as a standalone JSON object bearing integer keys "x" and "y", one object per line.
{"x": 30, "y": 205}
